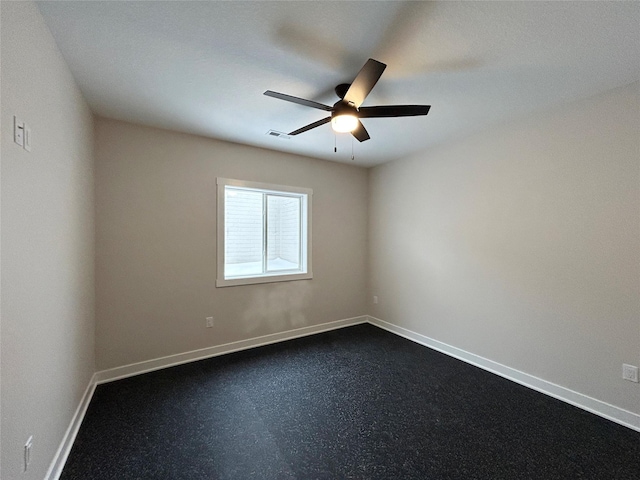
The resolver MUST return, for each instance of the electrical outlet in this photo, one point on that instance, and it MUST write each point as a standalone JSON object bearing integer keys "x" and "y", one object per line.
{"x": 27, "y": 452}
{"x": 630, "y": 372}
{"x": 209, "y": 323}
{"x": 375, "y": 299}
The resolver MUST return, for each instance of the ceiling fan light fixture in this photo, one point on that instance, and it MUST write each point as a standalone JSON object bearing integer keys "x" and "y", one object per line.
{"x": 344, "y": 123}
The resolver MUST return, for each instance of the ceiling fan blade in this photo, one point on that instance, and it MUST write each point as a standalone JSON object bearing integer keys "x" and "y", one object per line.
{"x": 360, "y": 132}
{"x": 299, "y": 101}
{"x": 393, "y": 111}
{"x": 310, "y": 126}
{"x": 364, "y": 82}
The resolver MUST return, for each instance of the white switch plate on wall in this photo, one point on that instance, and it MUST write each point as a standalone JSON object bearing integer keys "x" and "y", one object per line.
{"x": 18, "y": 131}
{"x": 27, "y": 137}
{"x": 21, "y": 133}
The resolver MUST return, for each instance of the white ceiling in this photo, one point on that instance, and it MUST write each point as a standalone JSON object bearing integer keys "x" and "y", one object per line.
{"x": 202, "y": 67}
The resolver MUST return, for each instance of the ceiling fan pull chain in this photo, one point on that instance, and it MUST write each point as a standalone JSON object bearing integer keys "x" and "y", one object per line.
{"x": 352, "y": 156}
{"x": 335, "y": 143}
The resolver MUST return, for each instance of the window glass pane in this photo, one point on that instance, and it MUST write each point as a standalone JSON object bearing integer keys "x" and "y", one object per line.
{"x": 244, "y": 232}
{"x": 263, "y": 233}
{"x": 283, "y": 233}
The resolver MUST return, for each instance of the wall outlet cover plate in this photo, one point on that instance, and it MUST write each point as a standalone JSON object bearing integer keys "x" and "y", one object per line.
{"x": 630, "y": 372}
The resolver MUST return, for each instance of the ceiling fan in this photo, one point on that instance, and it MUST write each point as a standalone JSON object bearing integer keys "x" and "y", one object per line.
{"x": 347, "y": 112}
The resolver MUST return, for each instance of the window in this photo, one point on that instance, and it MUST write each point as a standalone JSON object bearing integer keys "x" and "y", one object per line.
{"x": 264, "y": 233}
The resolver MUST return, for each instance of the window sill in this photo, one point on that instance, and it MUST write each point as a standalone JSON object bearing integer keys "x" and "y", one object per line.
{"x": 233, "y": 282}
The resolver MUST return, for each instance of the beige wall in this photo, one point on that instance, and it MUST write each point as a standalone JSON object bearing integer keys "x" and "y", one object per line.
{"x": 47, "y": 241}
{"x": 522, "y": 245}
{"x": 156, "y": 244}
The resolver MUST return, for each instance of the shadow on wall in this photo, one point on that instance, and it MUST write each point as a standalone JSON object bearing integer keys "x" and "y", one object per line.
{"x": 280, "y": 307}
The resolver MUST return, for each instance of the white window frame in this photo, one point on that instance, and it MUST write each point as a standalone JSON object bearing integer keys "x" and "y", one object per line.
{"x": 305, "y": 238}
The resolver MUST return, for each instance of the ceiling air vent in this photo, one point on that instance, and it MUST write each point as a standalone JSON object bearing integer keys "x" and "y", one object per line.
{"x": 274, "y": 133}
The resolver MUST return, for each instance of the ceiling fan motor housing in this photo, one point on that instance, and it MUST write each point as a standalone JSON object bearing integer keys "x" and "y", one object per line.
{"x": 343, "y": 108}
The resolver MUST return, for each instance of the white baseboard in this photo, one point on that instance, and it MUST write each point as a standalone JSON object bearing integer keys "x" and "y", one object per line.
{"x": 598, "y": 407}
{"x": 180, "y": 358}
{"x": 60, "y": 458}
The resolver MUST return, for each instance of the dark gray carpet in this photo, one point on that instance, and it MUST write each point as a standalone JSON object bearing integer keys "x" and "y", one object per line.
{"x": 355, "y": 403}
